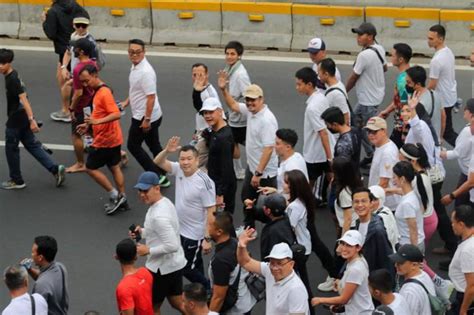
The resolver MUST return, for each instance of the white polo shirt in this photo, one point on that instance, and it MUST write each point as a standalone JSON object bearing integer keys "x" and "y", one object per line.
{"x": 193, "y": 195}
{"x": 286, "y": 296}
{"x": 294, "y": 162}
{"x": 462, "y": 150}
{"x": 313, "y": 150}
{"x": 238, "y": 83}
{"x": 370, "y": 87}
{"x": 442, "y": 68}
{"x": 22, "y": 305}
{"x": 142, "y": 80}
{"x": 462, "y": 263}
{"x": 261, "y": 129}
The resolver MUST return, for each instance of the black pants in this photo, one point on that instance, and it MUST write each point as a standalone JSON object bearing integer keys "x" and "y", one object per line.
{"x": 321, "y": 250}
{"x": 456, "y": 306}
{"x": 229, "y": 198}
{"x": 250, "y": 192}
{"x": 464, "y": 198}
{"x": 449, "y": 134}
{"x": 194, "y": 270}
{"x": 136, "y": 136}
{"x": 445, "y": 229}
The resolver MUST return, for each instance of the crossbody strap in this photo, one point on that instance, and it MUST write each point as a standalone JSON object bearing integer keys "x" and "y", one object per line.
{"x": 419, "y": 283}
{"x": 33, "y": 305}
{"x": 342, "y": 92}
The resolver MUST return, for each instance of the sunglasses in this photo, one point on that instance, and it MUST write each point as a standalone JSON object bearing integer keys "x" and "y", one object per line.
{"x": 81, "y": 25}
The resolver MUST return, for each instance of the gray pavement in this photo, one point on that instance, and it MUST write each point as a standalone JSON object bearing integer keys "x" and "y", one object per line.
{"x": 73, "y": 213}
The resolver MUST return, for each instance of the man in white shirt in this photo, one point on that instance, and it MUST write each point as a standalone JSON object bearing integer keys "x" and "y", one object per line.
{"x": 146, "y": 110}
{"x": 369, "y": 80}
{"x": 385, "y": 157}
{"x": 262, "y": 162}
{"x": 318, "y": 141}
{"x": 380, "y": 286}
{"x": 16, "y": 280}
{"x": 317, "y": 53}
{"x": 409, "y": 262}
{"x": 164, "y": 254}
{"x": 285, "y": 292}
{"x": 443, "y": 79}
{"x": 461, "y": 269}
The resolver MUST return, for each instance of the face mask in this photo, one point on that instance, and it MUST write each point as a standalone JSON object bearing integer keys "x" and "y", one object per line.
{"x": 409, "y": 89}
{"x": 332, "y": 130}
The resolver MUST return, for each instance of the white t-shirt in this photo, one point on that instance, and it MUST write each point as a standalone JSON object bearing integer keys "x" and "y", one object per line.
{"x": 298, "y": 216}
{"x": 363, "y": 228}
{"x": 313, "y": 150}
{"x": 286, "y": 296}
{"x": 370, "y": 87}
{"x": 345, "y": 204}
{"x": 238, "y": 83}
{"x": 408, "y": 208}
{"x": 209, "y": 91}
{"x": 357, "y": 272}
{"x": 142, "y": 80}
{"x": 399, "y": 306}
{"x": 385, "y": 157}
{"x": 462, "y": 263}
{"x": 416, "y": 297}
{"x": 471, "y": 170}
{"x": 463, "y": 149}
{"x": 22, "y": 305}
{"x": 442, "y": 68}
{"x": 429, "y": 193}
{"x": 194, "y": 194}
{"x": 337, "y": 99}
{"x": 294, "y": 162}
{"x": 425, "y": 99}
{"x": 261, "y": 129}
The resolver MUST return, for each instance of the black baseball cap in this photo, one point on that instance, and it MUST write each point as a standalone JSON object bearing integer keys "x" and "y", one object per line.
{"x": 365, "y": 28}
{"x": 470, "y": 105}
{"x": 276, "y": 203}
{"x": 85, "y": 45}
{"x": 407, "y": 252}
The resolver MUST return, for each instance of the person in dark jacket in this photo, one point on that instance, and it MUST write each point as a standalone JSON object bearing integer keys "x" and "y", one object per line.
{"x": 58, "y": 27}
{"x": 376, "y": 247}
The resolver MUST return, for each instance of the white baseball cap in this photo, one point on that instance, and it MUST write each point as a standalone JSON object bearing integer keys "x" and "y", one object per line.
{"x": 315, "y": 45}
{"x": 211, "y": 104}
{"x": 378, "y": 193}
{"x": 353, "y": 238}
{"x": 281, "y": 251}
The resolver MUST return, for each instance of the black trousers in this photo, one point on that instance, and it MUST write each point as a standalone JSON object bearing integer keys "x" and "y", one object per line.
{"x": 136, "y": 136}
{"x": 456, "y": 306}
{"x": 445, "y": 229}
{"x": 321, "y": 250}
{"x": 464, "y": 198}
{"x": 449, "y": 134}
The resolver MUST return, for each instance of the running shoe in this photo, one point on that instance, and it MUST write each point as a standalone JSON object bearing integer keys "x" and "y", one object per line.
{"x": 9, "y": 185}
{"x": 164, "y": 181}
{"x": 115, "y": 205}
{"x": 60, "y": 116}
{"x": 60, "y": 175}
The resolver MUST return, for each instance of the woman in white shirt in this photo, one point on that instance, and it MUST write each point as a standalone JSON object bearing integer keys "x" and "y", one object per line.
{"x": 353, "y": 288}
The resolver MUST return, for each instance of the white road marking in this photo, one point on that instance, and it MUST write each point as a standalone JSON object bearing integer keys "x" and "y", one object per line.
{"x": 215, "y": 56}
{"x": 60, "y": 147}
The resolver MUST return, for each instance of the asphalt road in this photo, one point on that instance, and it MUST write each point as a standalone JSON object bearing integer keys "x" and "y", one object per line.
{"x": 73, "y": 213}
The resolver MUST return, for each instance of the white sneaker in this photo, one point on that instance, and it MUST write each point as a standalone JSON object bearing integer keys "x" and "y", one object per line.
{"x": 327, "y": 286}
{"x": 240, "y": 174}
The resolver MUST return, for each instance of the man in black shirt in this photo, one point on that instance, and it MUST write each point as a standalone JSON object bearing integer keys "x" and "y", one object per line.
{"x": 220, "y": 157}
{"x": 20, "y": 127}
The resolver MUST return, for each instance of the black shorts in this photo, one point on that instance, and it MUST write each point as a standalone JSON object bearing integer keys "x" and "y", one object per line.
{"x": 166, "y": 285}
{"x": 239, "y": 134}
{"x": 99, "y": 157}
{"x": 79, "y": 119}
{"x": 317, "y": 169}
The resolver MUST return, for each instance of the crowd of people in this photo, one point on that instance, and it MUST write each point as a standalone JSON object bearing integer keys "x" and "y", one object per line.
{"x": 378, "y": 264}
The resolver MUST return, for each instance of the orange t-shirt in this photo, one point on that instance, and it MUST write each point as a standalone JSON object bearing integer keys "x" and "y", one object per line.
{"x": 134, "y": 292}
{"x": 107, "y": 135}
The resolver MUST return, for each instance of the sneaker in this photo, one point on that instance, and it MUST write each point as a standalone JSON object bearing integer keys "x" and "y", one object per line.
{"x": 123, "y": 159}
{"x": 240, "y": 174}
{"x": 60, "y": 175}
{"x": 110, "y": 208}
{"x": 444, "y": 289}
{"x": 327, "y": 286}
{"x": 12, "y": 185}
{"x": 164, "y": 182}
{"x": 60, "y": 116}
{"x": 366, "y": 162}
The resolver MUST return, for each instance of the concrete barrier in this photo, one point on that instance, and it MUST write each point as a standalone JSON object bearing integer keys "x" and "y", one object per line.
{"x": 187, "y": 22}
{"x": 120, "y": 20}
{"x": 408, "y": 25}
{"x": 458, "y": 4}
{"x": 9, "y": 18}
{"x": 264, "y": 25}
{"x": 31, "y": 25}
{"x": 333, "y": 24}
{"x": 459, "y": 30}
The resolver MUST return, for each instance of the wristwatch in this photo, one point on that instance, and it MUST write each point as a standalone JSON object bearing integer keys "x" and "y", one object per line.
{"x": 258, "y": 174}
{"x": 451, "y": 195}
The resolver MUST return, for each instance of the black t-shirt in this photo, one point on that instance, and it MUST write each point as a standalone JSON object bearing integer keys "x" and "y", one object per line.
{"x": 220, "y": 167}
{"x": 348, "y": 145}
{"x": 224, "y": 263}
{"x": 15, "y": 111}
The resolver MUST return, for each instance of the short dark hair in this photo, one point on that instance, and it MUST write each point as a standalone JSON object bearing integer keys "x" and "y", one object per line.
{"x": 381, "y": 280}
{"x": 417, "y": 74}
{"x": 195, "y": 292}
{"x": 288, "y": 136}
{"x": 199, "y": 64}
{"x": 233, "y": 44}
{"x": 464, "y": 214}
{"x": 47, "y": 247}
{"x": 6, "y": 56}
{"x": 333, "y": 115}
{"x": 223, "y": 220}
{"x": 307, "y": 75}
{"x": 439, "y": 29}
{"x": 404, "y": 169}
{"x": 137, "y": 41}
{"x": 91, "y": 69}
{"x": 470, "y": 105}
{"x": 404, "y": 51}
{"x": 126, "y": 251}
{"x": 188, "y": 147}
{"x": 15, "y": 277}
{"x": 328, "y": 65}
{"x": 85, "y": 45}
{"x": 359, "y": 190}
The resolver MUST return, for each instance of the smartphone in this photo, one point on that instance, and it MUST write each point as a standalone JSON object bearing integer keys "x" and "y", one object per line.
{"x": 132, "y": 229}
{"x": 87, "y": 111}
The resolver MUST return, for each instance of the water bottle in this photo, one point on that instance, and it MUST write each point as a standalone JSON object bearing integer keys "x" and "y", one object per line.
{"x": 87, "y": 141}
{"x": 457, "y": 105}
{"x": 120, "y": 107}
{"x": 27, "y": 263}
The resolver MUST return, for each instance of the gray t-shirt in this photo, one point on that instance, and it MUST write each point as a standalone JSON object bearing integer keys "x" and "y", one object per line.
{"x": 51, "y": 284}
{"x": 427, "y": 102}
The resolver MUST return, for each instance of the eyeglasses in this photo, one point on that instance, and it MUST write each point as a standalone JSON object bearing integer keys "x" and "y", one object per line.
{"x": 278, "y": 265}
{"x": 81, "y": 25}
{"x": 134, "y": 52}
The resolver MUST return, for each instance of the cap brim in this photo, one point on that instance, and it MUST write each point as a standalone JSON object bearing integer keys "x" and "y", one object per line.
{"x": 209, "y": 109}
{"x": 277, "y": 257}
{"x": 313, "y": 50}
{"x": 142, "y": 186}
{"x": 356, "y": 30}
{"x": 252, "y": 96}
{"x": 372, "y": 128}
{"x": 349, "y": 242}
{"x": 396, "y": 258}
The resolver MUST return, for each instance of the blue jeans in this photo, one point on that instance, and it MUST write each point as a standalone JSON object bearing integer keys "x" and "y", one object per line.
{"x": 13, "y": 137}
{"x": 361, "y": 114}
